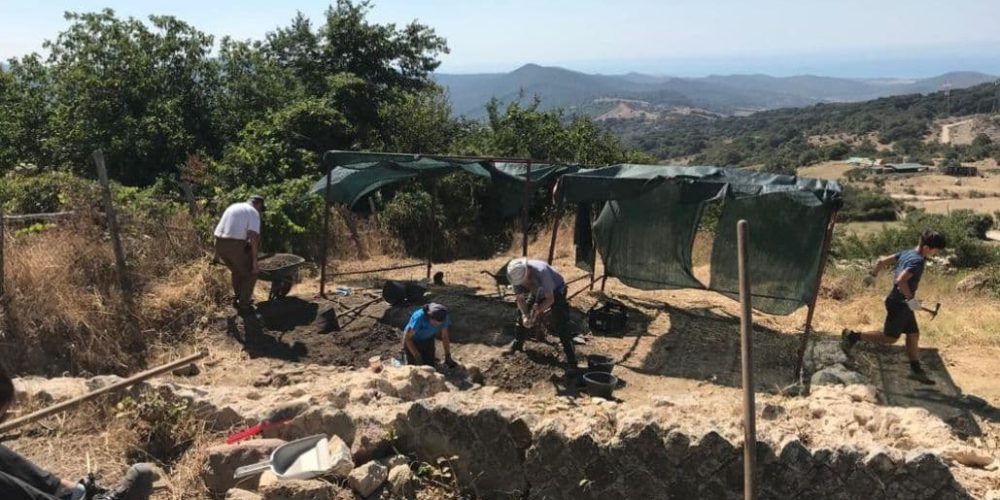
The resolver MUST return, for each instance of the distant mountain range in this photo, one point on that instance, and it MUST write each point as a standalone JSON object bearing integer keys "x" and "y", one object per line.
{"x": 636, "y": 95}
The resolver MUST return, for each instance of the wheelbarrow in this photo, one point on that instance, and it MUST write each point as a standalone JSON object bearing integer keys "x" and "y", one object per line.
{"x": 281, "y": 270}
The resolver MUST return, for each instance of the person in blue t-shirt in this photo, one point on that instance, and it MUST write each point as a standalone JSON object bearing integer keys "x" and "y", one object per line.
{"x": 902, "y": 302}
{"x": 426, "y": 324}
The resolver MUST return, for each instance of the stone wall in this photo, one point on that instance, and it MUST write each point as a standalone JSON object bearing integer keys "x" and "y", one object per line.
{"x": 506, "y": 452}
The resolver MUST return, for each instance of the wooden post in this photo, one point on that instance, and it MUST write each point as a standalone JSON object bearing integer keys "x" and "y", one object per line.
{"x": 116, "y": 241}
{"x": 70, "y": 403}
{"x": 525, "y": 208}
{"x": 326, "y": 235}
{"x": 189, "y": 198}
{"x": 807, "y": 329}
{"x": 3, "y": 243}
{"x": 746, "y": 338}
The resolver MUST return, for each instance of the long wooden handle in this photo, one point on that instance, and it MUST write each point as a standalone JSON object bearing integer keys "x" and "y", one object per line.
{"x": 70, "y": 403}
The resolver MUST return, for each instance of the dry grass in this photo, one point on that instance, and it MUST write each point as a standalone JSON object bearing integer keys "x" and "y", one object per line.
{"x": 64, "y": 310}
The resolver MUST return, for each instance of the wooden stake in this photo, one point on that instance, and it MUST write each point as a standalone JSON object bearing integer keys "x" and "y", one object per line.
{"x": 70, "y": 403}
{"x": 746, "y": 341}
{"x": 116, "y": 241}
{"x": 189, "y": 198}
{"x": 3, "y": 243}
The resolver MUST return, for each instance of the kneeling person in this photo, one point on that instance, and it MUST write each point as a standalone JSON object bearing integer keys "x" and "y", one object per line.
{"x": 426, "y": 324}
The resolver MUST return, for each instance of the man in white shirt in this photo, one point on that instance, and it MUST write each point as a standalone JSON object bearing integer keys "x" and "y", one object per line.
{"x": 237, "y": 241}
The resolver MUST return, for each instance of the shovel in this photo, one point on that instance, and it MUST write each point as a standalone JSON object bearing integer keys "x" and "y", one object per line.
{"x": 304, "y": 458}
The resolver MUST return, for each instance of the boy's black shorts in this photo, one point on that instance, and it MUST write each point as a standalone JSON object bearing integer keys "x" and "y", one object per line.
{"x": 899, "y": 319}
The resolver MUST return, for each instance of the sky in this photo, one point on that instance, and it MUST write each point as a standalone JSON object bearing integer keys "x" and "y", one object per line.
{"x": 850, "y": 38}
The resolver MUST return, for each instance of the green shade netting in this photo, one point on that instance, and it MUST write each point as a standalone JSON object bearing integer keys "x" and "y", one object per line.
{"x": 646, "y": 231}
{"x": 356, "y": 175}
{"x": 786, "y": 238}
{"x": 646, "y": 241}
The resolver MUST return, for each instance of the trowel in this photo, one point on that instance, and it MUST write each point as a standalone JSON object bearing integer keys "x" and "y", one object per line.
{"x": 304, "y": 458}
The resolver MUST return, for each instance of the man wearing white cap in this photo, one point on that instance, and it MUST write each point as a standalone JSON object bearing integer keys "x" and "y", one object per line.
{"x": 548, "y": 288}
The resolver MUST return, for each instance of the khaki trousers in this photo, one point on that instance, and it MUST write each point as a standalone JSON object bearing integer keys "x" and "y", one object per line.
{"x": 236, "y": 255}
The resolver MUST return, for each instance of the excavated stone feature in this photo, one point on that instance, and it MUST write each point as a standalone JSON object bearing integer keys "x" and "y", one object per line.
{"x": 835, "y": 443}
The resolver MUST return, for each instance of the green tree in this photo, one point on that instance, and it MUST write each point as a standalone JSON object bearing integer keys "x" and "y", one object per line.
{"x": 139, "y": 92}
{"x": 25, "y": 113}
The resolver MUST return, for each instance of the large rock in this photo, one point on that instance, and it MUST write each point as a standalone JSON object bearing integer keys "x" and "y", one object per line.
{"x": 367, "y": 478}
{"x": 371, "y": 441}
{"x": 822, "y": 354}
{"x": 49, "y": 390}
{"x": 974, "y": 281}
{"x": 401, "y": 482}
{"x": 291, "y": 489}
{"x": 340, "y": 457}
{"x": 223, "y": 460}
{"x": 238, "y": 494}
{"x": 837, "y": 374}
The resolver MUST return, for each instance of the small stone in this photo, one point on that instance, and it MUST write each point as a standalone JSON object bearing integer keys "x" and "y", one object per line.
{"x": 969, "y": 457}
{"x": 238, "y": 494}
{"x": 879, "y": 461}
{"x": 340, "y": 458}
{"x": 267, "y": 478}
{"x": 367, "y": 478}
{"x": 771, "y": 412}
{"x": 662, "y": 402}
{"x": 401, "y": 481}
{"x": 395, "y": 461}
{"x": 293, "y": 489}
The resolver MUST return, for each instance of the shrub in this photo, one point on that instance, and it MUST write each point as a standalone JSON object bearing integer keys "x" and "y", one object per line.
{"x": 866, "y": 205}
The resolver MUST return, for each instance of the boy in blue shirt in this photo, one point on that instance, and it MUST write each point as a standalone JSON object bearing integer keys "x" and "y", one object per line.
{"x": 427, "y": 323}
{"x": 901, "y": 303}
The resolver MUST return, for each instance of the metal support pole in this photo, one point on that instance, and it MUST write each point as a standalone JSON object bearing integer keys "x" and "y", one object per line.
{"x": 807, "y": 329}
{"x": 70, "y": 403}
{"x": 430, "y": 239}
{"x": 525, "y": 208}
{"x": 746, "y": 338}
{"x": 326, "y": 235}
{"x": 116, "y": 241}
{"x": 555, "y": 231}
{"x": 604, "y": 281}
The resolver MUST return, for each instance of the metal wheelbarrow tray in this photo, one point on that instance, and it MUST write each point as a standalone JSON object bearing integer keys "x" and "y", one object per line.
{"x": 281, "y": 270}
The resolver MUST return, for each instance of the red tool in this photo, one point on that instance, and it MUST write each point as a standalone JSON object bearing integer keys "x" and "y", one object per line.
{"x": 278, "y": 418}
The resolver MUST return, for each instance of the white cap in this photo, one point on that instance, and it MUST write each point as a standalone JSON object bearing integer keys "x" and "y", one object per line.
{"x": 517, "y": 271}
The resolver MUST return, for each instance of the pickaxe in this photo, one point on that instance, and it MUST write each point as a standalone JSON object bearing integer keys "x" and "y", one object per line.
{"x": 932, "y": 312}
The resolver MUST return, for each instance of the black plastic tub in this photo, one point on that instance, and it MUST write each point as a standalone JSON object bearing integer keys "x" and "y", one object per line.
{"x": 600, "y": 384}
{"x": 398, "y": 292}
{"x": 600, "y": 363}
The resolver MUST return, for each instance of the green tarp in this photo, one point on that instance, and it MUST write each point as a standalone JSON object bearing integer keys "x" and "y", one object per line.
{"x": 645, "y": 232}
{"x": 356, "y": 175}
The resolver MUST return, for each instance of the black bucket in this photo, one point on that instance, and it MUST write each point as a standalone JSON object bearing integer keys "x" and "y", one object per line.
{"x": 600, "y": 363}
{"x": 600, "y": 384}
{"x": 398, "y": 292}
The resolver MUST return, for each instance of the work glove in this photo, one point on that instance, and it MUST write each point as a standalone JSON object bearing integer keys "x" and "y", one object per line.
{"x": 914, "y": 304}
{"x": 449, "y": 362}
{"x": 527, "y": 320}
